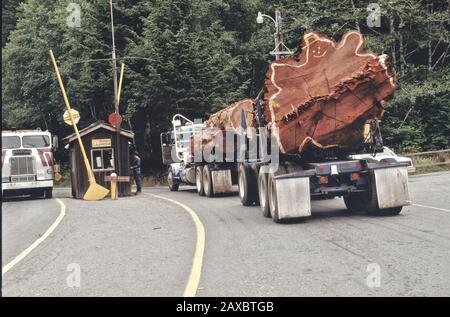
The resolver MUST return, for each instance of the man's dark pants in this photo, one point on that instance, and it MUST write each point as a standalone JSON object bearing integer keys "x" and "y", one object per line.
{"x": 137, "y": 179}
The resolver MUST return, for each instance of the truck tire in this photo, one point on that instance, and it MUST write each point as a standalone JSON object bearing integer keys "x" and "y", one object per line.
{"x": 354, "y": 202}
{"x": 362, "y": 202}
{"x": 273, "y": 199}
{"x": 263, "y": 194}
{"x": 368, "y": 202}
{"x": 199, "y": 180}
{"x": 48, "y": 193}
{"x": 173, "y": 184}
{"x": 207, "y": 181}
{"x": 391, "y": 211}
{"x": 273, "y": 203}
{"x": 248, "y": 189}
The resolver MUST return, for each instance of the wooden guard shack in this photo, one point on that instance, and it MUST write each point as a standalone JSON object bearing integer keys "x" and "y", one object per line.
{"x": 99, "y": 140}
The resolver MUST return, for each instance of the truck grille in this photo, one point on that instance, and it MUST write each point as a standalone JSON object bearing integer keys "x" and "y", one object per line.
{"x": 21, "y": 179}
{"x": 22, "y": 165}
{"x": 21, "y": 152}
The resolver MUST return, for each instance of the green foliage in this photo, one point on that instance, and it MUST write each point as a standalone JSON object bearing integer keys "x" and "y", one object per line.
{"x": 195, "y": 56}
{"x": 9, "y": 18}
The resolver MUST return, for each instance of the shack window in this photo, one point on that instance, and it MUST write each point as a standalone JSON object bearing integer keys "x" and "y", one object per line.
{"x": 102, "y": 159}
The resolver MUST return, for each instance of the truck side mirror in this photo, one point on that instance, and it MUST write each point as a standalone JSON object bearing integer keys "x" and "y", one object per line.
{"x": 55, "y": 142}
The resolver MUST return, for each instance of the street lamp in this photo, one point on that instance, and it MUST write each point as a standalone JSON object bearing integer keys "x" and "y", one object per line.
{"x": 260, "y": 18}
{"x": 280, "y": 48}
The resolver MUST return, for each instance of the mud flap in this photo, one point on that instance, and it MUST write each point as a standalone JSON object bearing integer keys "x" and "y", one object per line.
{"x": 293, "y": 197}
{"x": 392, "y": 187}
{"x": 221, "y": 180}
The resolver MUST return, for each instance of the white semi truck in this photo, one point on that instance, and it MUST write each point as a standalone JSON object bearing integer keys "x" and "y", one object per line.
{"x": 27, "y": 162}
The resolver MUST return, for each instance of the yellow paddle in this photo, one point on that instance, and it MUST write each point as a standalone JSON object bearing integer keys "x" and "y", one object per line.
{"x": 95, "y": 191}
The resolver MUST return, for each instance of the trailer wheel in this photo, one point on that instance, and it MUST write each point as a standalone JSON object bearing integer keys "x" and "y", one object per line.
{"x": 199, "y": 180}
{"x": 173, "y": 185}
{"x": 354, "y": 202}
{"x": 207, "y": 181}
{"x": 247, "y": 186}
{"x": 263, "y": 194}
{"x": 368, "y": 202}
{"x": 273, "y": 203}
{"x": 272, "y": 190}
{"x": 391, "y": 211}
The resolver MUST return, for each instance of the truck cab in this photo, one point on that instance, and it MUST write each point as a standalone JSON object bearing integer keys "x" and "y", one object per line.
{"x": 27, "y": 162}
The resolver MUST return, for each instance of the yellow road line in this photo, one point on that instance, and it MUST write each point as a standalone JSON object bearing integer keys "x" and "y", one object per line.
{"x": 197, "y": 262}
{"x": 49, "y": 231}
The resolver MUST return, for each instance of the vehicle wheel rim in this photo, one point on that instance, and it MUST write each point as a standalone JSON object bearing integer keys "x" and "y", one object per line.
{"x": 205, "y": 182}
{"x": 241, "y": 186}
{"x": 272, "y": 202}
{"x": 262, "y": 194}
{"x": 198, "y": 181}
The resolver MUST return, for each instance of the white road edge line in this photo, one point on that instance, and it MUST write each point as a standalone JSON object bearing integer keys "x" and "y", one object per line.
{"x": 424, "y": 206}
{"x": 33, "y": 246}
{"x": 197, "y": 262}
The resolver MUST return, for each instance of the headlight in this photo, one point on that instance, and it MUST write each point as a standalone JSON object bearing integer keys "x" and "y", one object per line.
{"x": 50, "y": 171}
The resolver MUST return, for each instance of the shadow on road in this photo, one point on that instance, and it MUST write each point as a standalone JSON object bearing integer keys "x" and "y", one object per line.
{"x": 230, "y": 194}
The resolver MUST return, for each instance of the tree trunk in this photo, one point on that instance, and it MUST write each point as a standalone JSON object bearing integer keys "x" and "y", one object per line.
{"x": 393, "y": 51}
{"x": 402, "y": 53}
{"x": 356, "y": 17}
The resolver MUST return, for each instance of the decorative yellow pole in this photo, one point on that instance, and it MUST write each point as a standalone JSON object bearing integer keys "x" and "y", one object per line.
{"x": 114, "y": 191}
{"x": 122, "y": 68}
{"x": 95, "y": 191}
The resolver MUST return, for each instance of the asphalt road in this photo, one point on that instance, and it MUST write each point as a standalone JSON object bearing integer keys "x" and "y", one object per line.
{"x": 144, "y": 246}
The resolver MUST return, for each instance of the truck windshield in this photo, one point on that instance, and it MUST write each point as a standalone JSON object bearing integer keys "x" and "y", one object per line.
{"x": 36, "y": 141}
{"x": 10, "y": 142}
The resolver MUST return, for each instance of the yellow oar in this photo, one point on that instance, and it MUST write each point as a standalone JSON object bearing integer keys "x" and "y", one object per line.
{"x": 95, "y": 191}
{"x": 120, "y": 83}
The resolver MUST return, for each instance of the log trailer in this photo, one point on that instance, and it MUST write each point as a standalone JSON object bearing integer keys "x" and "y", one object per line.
{"x": 319, "y": 108}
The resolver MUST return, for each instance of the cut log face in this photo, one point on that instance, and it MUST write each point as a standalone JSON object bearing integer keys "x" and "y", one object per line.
{"x": 323, "y": 96}
{"x": 319, "y": 99}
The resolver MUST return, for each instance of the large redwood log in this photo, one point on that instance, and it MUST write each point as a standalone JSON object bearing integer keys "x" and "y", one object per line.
{"x": 320, "y": 98}
{"x": 323, "y": 96}
{"x": 228, "y": 119}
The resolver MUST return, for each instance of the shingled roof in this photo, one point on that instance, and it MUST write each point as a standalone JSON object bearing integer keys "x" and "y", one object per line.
{"x": 95, "y": 126}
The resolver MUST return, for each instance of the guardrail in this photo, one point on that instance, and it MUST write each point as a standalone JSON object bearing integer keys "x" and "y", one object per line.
{"x": 429, "y": 154}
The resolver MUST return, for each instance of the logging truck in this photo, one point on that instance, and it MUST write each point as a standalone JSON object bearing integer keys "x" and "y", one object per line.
{"x": 297, "y": 140}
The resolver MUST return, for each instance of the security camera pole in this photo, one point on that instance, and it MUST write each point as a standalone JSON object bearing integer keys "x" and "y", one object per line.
{"x": 280, "y": 49}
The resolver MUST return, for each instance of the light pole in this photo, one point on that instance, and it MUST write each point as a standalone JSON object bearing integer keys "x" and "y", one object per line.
{"x": 280, "y": 49}
{"x": 116, "y": 99}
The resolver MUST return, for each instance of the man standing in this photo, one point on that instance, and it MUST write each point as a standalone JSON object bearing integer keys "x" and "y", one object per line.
{"x": 136, "y": 168}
